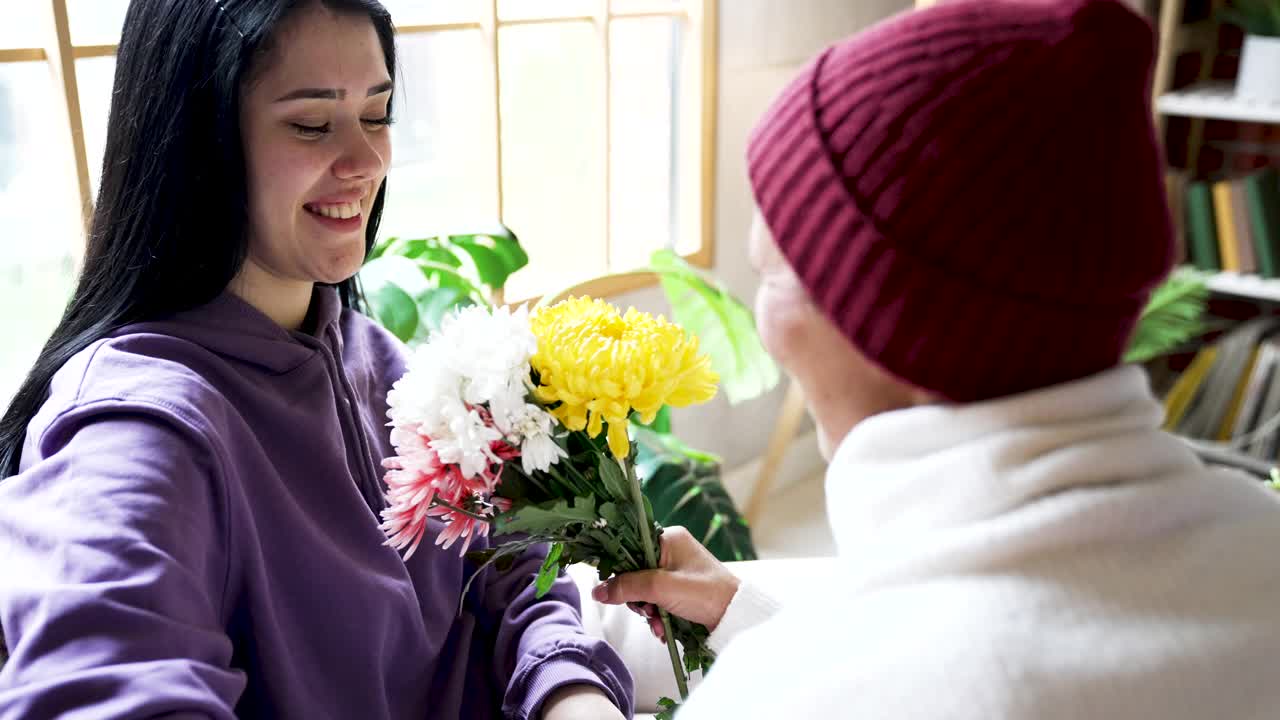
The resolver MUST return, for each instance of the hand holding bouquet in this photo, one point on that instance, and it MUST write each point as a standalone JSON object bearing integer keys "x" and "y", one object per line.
{"x": 517, "y": 424}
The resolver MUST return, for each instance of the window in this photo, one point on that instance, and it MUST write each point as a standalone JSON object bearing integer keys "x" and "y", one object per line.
{"x": 584, "y": 125}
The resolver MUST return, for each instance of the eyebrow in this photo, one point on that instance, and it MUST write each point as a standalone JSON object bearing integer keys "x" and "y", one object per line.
{"x": 331, "y": 93}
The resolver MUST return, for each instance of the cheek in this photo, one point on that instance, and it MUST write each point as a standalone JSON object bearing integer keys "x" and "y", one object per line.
{"x": 289, "y": 177}
{"x": 782, "y": 318}
{"x": 280, "y": 175}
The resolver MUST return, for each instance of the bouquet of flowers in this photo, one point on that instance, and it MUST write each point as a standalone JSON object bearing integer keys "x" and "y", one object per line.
{"x": 516, "y": 424}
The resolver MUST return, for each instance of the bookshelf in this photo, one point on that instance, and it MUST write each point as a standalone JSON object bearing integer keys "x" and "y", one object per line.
{"x": 1243, "y": 434}
{"x": 1216, "y": 100}
{"x": 1253, "y": 287}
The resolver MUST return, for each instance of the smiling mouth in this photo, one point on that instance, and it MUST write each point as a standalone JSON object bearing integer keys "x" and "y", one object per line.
{"x": 335, "y": 211}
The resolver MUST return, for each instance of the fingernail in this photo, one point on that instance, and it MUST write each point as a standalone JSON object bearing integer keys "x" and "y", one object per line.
{"x": 600, "y": 592}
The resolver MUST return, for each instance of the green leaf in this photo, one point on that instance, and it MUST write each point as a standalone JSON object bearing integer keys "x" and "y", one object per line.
{"x": 436, "y": 303}
{"x": 547, "y": 518}
{"x": 685, "y": 489}
{"x": 495, "y": 256}
{"x": 435, "y": 289}
{"x": 490, "y": 267}
{"x": 1255, "y": 17}
{"x": 429, "y": 249}
{"x": 550, "y": 570}
{"x": 1172, "y": 317}
{"x": 439, "y": 275}
{"x": 395, "y": 310}
{"x": 615, "y": 482}
{"x": 665, "y": 446}
{"x": 613, "y": 514}
{"x": 668, "y": 709}
{"x": 724, "y": 326}
{"x": 395, "y": 270}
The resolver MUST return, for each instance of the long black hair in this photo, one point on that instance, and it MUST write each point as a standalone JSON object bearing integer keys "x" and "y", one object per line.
{"x": 169, "y": 228}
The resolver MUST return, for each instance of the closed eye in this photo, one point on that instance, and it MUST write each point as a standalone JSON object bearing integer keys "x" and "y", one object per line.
{"x": 310, "y": 131}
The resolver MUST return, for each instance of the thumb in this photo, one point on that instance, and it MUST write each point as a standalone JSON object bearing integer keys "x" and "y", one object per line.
{"x": 647, "y": 586}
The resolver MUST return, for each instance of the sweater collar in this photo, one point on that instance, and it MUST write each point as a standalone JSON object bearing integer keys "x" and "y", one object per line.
{"x": 900, "y": 474}
{"x": 232, "y": 328}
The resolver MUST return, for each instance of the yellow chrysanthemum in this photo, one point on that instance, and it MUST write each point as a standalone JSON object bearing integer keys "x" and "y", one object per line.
{"x": 600, "y": 365}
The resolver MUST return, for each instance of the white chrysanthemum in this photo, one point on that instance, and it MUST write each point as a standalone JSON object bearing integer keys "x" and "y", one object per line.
{"x": 467, "y": 444}
{"x": 539, "y": 451}
{"x": 428, "y": 393}
{"x": 528, "y": 426}
{"x": 489, "y": 349}
{"x": 478, "y": 358}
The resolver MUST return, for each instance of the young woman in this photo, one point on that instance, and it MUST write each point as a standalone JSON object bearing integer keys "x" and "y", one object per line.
{"x": 189, "y": 519}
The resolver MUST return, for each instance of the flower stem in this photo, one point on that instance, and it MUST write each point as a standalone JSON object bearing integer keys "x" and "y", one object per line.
{"x": 651, "y": 558}
{"x": 454, "y": 508}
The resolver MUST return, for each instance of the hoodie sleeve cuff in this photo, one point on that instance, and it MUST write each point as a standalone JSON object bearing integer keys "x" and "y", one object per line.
{"x": 749, "y": 607}
{"x": 564, "y": 666}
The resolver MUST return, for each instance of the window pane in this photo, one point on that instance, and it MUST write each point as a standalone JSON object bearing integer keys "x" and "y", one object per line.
{"x": 95, "y": 76}
{"x": 622, "y": 6}
{"x": 518, "y": 9}
{"x": 444, "y": 166}
{"x": 24, "y": 25}
{"x": 643, "y": 68}
{"x": 39, "y": 211}
{"x": 553, "y": 164}
{"x": 95, "y": 22}
{"x": 425, "y": 12}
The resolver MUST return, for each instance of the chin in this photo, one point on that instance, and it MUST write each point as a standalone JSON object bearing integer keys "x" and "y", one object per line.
{"x": 342, "y": 266}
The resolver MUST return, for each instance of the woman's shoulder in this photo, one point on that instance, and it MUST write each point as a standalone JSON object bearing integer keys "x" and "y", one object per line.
{"x": 131, "y": 374}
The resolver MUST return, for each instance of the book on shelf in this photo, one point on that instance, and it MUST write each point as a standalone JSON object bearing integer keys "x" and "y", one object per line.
{"x": 1253, "y": 390}
{"x": 1212, "y": 410}
{"x": 1267, "y": 446}
{"x": 1178, "y": 400}
{"x": 1233, "y": 224}
{"x": 1262, "y": 400}
{"x": 1230, "y": 393}
{"x": 1244, "y": 230}
{"x": 1202, "y": 232}
{"x": 1228, "y": 242}
{"x": 1262, "y": 194}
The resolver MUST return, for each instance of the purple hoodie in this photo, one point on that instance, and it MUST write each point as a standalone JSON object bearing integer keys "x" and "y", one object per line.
{"x": 188, "y": 539}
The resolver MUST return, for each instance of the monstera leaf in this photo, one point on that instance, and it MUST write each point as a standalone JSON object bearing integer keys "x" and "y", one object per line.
{"x": 411, "y": 284}
{"x": 684, "y": 488}
{"x": 725, "y": 327}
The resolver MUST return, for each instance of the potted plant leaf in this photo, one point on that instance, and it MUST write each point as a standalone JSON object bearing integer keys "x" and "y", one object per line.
{"x": 1172, "y": 317}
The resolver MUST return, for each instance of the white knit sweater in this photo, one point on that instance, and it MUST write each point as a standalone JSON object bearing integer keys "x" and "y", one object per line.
{"x": 1052, "y": 555}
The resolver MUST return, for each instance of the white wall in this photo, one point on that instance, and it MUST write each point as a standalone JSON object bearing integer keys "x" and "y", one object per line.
{"x": 763, "y": 43}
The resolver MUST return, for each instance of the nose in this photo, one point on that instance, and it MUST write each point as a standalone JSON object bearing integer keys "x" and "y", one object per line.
{"x": 361, "y": 158}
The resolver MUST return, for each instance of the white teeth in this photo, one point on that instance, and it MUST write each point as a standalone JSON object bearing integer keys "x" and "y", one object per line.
{"x": 341, "y": 211}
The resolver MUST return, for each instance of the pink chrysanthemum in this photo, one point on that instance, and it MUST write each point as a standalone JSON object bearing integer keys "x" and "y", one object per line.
{"x": 416, "y": 479}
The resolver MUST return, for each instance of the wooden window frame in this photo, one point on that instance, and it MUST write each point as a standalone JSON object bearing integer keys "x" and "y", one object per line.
{"x": 701, "y": 18}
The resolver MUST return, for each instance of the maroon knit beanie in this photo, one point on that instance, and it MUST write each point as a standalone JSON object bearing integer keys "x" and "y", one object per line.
{"x": 973, "y": 193}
